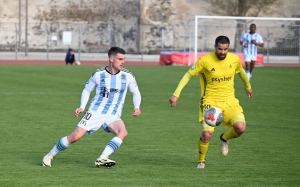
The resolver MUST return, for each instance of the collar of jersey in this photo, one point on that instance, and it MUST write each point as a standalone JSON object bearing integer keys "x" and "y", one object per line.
{"x": 110, "y": 72}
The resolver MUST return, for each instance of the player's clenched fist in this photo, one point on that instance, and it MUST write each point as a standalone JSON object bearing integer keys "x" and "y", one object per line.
{"x": 136, "y": 112}
{"x": 173, "y": 100}
{"x": 77, "y": 112}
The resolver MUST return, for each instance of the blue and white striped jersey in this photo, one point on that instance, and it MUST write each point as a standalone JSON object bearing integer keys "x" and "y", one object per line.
{"x": 251, "y": 49}
{"x": 111, "y": 90}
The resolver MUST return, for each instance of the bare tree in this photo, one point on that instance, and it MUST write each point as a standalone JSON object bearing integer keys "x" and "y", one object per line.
{"x": 245, "y": 8}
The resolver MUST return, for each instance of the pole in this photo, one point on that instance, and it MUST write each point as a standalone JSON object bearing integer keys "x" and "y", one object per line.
{"x": 79, "y": 41}
{"x": 109, "y": 26}
{"x": 19, "y": 42}
{"x": 162, "y": 39}
{"x": 299, "y": 42}
{"x": 196, "y": 40}
{"x": 138, "y": 42}
{"x": 16, "y": 50}
{"x": 186, "y": 22}
{"x": 190, "y": 50}
{"x": 173, "y": 29}
{"x": 205, "y": 37}
{"x": 142, "y": 47}
{"x": 26, "y": 29}
{"x": 268, "y": 48}
{"x": 48, "y": 33}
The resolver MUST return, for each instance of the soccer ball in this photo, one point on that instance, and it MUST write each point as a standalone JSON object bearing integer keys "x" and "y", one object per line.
{"x": 213, "y": 116}
{"x": 78, "y": 63}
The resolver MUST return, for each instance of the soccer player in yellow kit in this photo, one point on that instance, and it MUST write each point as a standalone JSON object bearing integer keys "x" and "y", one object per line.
{"x": 217, "y": 70}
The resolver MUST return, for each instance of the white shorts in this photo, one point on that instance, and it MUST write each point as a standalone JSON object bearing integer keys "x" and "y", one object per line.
{"x": 249, "y": 58}
{"x": 91, "y": 121}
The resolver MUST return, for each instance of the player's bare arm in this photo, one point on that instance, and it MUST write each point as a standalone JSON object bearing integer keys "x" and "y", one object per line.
{"x": 173, "y": 100}
{"x": 136, "y": 112}
{"x": 78, "y": 111}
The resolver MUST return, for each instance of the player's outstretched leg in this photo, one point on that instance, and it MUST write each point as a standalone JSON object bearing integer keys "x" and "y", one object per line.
{"x": 47, "y": 161}
{"x": 109, "y": 149}
{"x": 106, "y": 162}
{"x": 202, "y": 148}
{"x": 61, "y": 145}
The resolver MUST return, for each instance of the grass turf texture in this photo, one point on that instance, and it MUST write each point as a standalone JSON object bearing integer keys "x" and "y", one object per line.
{"x": 37, "y": 104}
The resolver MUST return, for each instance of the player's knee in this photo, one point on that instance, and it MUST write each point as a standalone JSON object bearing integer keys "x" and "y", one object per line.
{"x": 240, "y": 127}
{"x": 122, "y": 134}
{"x": 73, "y": 138}
{"x": 206, "y": 136}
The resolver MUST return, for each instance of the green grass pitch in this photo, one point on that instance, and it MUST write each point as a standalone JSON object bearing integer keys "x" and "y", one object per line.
{"x": 37, "y": 105}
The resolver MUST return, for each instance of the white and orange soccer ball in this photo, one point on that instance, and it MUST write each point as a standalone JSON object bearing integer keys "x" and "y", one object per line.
{"x": 213, "y": 116}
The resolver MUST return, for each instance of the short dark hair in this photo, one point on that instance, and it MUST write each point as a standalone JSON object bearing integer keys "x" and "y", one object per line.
{"x": 115, "y": 50}
{"x": 222, "y": 40}
{"x": 252, "y": 25}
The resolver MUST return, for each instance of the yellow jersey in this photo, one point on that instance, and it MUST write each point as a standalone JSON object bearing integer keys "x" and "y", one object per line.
{"x": 217, "y": 76}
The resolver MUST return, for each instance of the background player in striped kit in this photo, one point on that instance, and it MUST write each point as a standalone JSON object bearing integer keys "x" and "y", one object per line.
{"x": 105, "y": 110}
{"x": 250, "y": 41}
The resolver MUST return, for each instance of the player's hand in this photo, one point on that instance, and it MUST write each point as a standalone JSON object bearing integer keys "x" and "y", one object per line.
{"x": 173, "y": 100}
{"x": 249, "y": 92}
{"x": 245, "y": 45}
{"x": 77, "y": 112}
{"x": 254, "y": 42}
{"x": 136, "y": 112}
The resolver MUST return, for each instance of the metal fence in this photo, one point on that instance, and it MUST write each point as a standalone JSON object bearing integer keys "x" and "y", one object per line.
{"x": 281, "y": 38}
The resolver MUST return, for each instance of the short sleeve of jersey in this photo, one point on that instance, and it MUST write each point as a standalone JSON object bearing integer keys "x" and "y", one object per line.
{"x": 197, "y": 67}
{"x": 260, "y": 39}
{"x": 243, "y": 37}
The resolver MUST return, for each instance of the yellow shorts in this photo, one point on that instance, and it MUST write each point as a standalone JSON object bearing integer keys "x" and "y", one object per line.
{"x": 232, "y": 112}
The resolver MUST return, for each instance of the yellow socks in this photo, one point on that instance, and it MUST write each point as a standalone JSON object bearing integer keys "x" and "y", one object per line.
{"x": 202, "y": 147}
{"x": 230, "y": 134}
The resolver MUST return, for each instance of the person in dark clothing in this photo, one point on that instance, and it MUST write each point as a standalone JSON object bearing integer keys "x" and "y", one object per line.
{"x": 70, "y": 57}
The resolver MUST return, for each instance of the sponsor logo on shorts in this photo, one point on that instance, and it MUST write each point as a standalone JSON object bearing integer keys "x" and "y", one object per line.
{"x": 222, "y": 79}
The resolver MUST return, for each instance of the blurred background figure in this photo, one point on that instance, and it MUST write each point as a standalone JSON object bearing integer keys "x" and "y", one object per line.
{"x": 70, "y": 57}
{"x": 250, "y": 41}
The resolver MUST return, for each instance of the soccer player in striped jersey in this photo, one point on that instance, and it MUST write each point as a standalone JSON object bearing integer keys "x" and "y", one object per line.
{"x": 250, "y": 41}
{"x": 105, "y": 110}
{"x": 217, "y": 70}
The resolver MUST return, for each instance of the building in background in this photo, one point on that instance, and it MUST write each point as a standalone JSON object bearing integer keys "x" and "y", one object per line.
{"x": 139, "y": 26}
